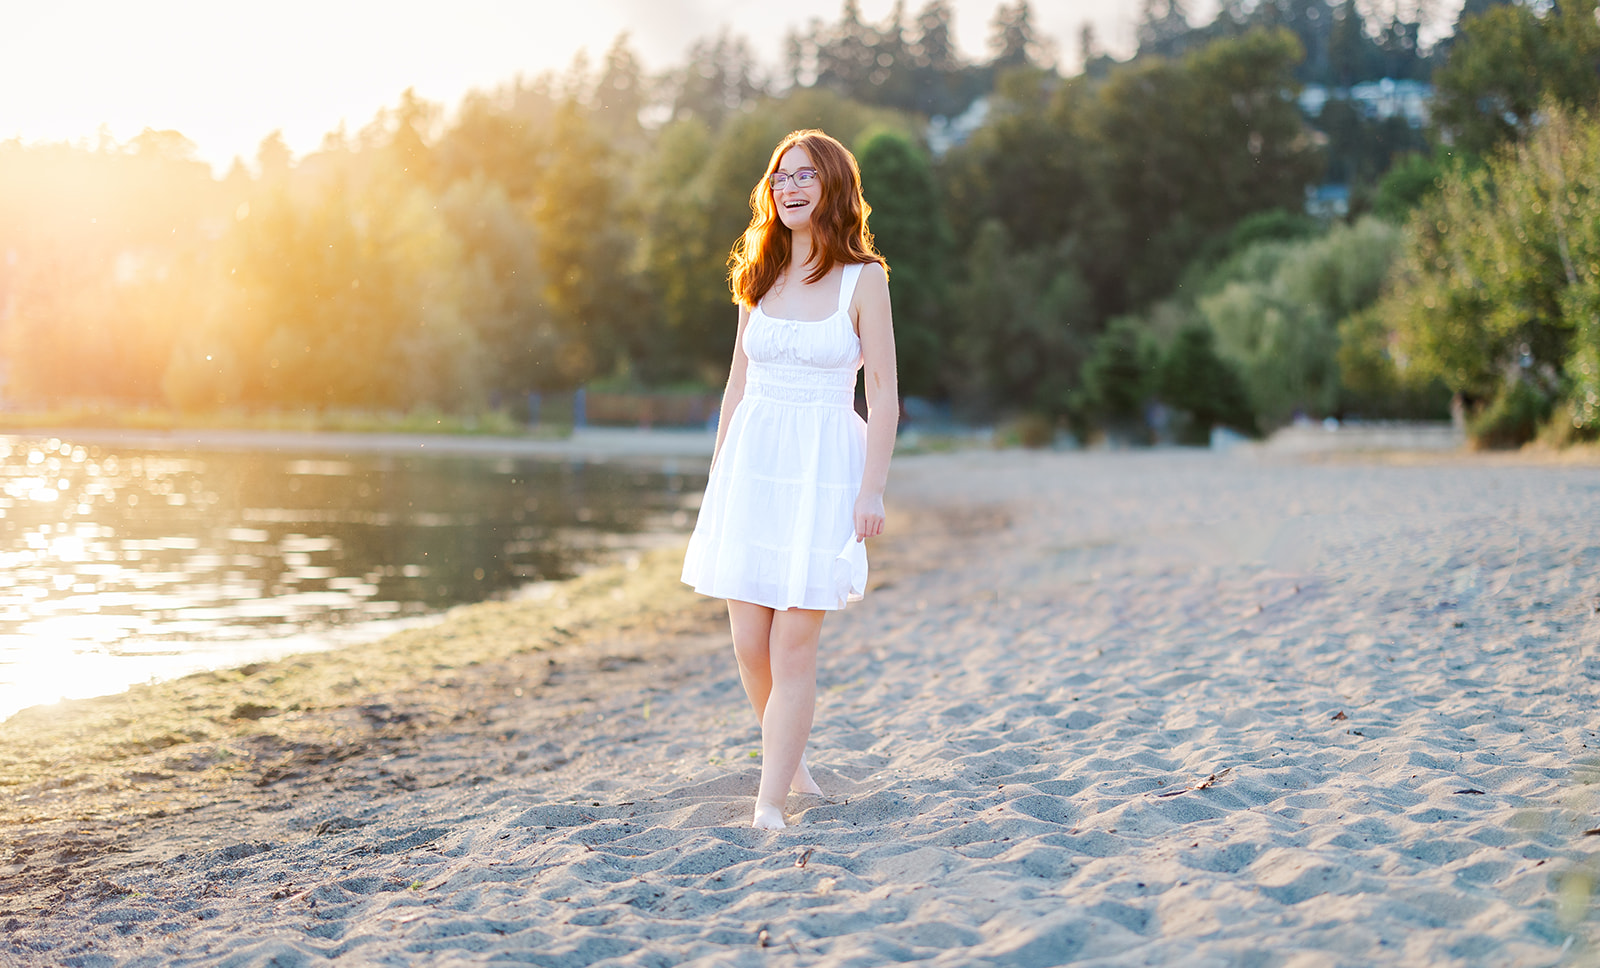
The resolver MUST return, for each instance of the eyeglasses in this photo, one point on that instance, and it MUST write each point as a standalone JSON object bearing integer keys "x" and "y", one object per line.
{"x": 804, "y": 178}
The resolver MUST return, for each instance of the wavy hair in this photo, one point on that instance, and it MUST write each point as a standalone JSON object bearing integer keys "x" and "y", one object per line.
{"x": 839, "y": 231}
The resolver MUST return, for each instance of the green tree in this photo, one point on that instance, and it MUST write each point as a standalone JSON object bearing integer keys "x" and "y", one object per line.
{"x": 1499, "y": 285}
{"x": 1022, "y": 323}
{"x": 1163, "y": 29}
{"x": 908, "y": 227}
{"x": 942, "y": 83}
{"x": 1408, "y": 181}
{"x": 1506, "y": 61}
{"x": 692, "y": 218}
{"x": 1276, "y": 310}
{"x": 620, "y": 93}
{"x": 1230, "y": 104}
{"x": 589, "y": 245}
{"x": 887, "y": 64}
{"x": 1203, "y": 388}
{"x": 1373, "y": 383}
{"x": 1036, "y": 168}
{"x": 1111, "y": 169}
{"x": 337, "y": 300}
{"x": 500, "y": 136}
{"x": 1118, "y": 376}
{"x": 501, "y": 287}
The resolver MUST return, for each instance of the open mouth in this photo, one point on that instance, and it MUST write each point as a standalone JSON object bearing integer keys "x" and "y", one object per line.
{"x": 797, "y": 203}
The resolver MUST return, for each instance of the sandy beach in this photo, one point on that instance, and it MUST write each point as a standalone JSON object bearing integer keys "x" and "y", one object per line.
{"x": 1160, "y": 708}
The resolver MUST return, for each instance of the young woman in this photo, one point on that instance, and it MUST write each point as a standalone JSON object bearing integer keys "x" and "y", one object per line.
{"x": 797, "y": 480}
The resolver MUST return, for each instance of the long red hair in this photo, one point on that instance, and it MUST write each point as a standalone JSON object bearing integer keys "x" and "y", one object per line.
{"x": 839, "y": 231}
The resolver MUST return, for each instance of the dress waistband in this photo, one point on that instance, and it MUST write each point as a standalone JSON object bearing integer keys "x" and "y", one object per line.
{"x": 803, "y": 386}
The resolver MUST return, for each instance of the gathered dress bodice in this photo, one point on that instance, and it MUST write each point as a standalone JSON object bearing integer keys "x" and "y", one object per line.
{"x": 804, "y": 362}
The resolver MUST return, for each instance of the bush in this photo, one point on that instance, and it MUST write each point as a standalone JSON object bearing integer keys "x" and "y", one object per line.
{"x": 1031, "y": 430}
{"x": 1512, "y": 418}
{"x": 1372, "y": 385}
{"x": 1117, "y": 373}
{"x": 1206, "y": 392}
{"x": 1276, "y": 310}
{"x": 1411, "y": 179}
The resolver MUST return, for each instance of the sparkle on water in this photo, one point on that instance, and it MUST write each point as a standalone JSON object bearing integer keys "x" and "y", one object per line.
{"x": 119, "y": 566}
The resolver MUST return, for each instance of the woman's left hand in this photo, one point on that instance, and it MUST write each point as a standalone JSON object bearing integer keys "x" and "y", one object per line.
{"x": 869, "y": 515}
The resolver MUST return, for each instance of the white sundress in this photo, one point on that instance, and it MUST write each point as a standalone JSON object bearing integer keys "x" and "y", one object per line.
{"x": 777, "y": 525}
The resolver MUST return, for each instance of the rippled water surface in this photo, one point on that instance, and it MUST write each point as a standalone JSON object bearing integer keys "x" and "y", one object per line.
{"x": 121, "y": 565}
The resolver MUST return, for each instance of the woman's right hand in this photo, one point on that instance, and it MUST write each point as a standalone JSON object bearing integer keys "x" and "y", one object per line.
{"x": 869, "y": 515}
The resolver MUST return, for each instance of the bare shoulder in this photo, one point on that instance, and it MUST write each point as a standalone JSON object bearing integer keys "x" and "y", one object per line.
{"x": 873, "y": 285}
{"x": 873, "y": 276}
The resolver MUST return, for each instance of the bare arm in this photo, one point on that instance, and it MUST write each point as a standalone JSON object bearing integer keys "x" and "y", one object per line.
{"x": 735, "y": 389}
{"x": 876, "y": 325}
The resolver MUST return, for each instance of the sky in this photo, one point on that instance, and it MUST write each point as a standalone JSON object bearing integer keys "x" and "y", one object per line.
{"x": 226, "y": 74}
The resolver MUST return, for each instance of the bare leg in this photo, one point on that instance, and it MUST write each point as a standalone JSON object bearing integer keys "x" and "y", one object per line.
{"x": 752, "y": 646}
{"x": 791, "y": 704}
{"x": 752, "y": 634}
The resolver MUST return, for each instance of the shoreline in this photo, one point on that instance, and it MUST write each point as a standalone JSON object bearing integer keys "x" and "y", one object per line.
{"x": 1166, "y": 707}
{"x": 305, "y": 697}
{"x": 590, "y": 444}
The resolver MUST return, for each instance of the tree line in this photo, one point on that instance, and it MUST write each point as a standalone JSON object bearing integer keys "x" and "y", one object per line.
{"x": 1125, "y": 236}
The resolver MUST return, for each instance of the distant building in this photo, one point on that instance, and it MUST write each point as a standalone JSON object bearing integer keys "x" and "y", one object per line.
{"x": 1390, "y": 98}
{"x": 1328, "y": 201}
{"x": 1379, "y": 100}
{"x": 945, "y": 133}
{"x": 1313, "y": 98}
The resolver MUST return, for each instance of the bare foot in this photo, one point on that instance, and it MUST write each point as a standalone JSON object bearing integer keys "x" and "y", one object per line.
{"x": 802, "y": 782}
{"x": 768, "y": 817}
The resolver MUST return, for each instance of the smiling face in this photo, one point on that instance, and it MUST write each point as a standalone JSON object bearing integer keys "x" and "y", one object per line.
{"x": 794, "y": 202}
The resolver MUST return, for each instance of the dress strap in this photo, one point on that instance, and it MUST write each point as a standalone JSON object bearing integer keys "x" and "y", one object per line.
{"x": 847, "y": 285}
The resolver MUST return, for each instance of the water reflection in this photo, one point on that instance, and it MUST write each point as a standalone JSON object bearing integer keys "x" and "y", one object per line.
{"x": 128, "y": 554}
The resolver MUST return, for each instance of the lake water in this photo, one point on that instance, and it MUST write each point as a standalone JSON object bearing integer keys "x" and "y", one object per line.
{"x": 120, "y": 565}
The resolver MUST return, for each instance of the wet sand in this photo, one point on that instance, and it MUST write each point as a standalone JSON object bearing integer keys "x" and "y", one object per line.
{"x": 1108, "y": 709}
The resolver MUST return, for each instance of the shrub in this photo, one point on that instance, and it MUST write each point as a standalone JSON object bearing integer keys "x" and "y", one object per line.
{"x": 1206, "y": 392}
{"x": 1031, "y": 430}
{"x": 1276, "y": 315}
{"x": 1512, "y": 418}
{"x": 1117, "y": 375}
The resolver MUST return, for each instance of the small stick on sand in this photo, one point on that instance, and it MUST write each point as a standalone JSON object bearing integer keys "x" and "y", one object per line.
{"x": 1203, "y": 784}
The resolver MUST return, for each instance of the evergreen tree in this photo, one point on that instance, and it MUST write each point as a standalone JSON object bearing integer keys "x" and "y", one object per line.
{"x": 845, "y": 55}
{"x": 721, "y": 77}
{"x": 1013, "y": 41}
{"x": 1163, "y": 29}
{"x": 619, "y": 93}
{"x": 942, "y": 84}
{"x": 935, "y": 49}
{"x": 1350, "y": 50}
